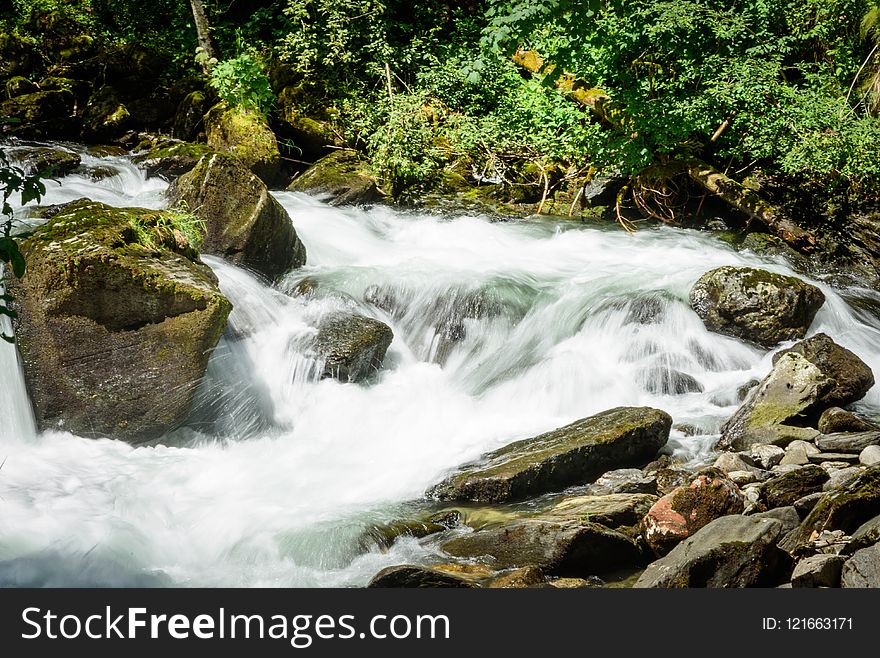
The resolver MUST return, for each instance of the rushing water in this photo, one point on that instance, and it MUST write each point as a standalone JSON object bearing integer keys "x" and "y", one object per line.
{"x": 502, "y": 330}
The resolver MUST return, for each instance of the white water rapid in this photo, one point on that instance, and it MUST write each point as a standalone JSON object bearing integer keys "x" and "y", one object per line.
{"x": 502, "y": 330}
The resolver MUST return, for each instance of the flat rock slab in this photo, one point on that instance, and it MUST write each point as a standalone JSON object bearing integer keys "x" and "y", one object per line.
{"x": 847, "y": 441}
{"x": 733, "y": 551}
{"x": 845, "y": 457}
{"x": 613, "y": 511}
{"x": 571, "y": 455}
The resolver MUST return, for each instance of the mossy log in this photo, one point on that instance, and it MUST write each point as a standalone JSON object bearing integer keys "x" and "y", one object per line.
{"x": 750, "y": 203}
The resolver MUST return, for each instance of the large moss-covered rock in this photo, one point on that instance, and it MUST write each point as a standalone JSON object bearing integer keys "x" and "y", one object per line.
{"x": 755, "y": 305}
{"x": 17, "y": 56}
{"x": 341, "y": 175}
{"x": 117, "y": 319}
{"x": 812, "y": 376}
{"x": 246, "y": 135}
{"x": 733, "y": 551}
{"x": 39, "y": 115}
{"x": 36, "y": 159}
{"x": 567, "y": 548}
{"x": 575, "y": 454}
{"x": 308, "y": 128}
{"x": 105, "y": 116}
{"x": 686, "y": 509}
{"x": 785, "y": 489}
{"x": 845, "y": 508}
{"x": 350, "y": 346}
{"x": 836, "y": 420}
{"x": 19, "y": 86}
{"x": 245, "y": 224}
{"x": 171, "y": 159}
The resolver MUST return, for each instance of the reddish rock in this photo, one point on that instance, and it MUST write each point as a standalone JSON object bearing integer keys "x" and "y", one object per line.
{"x": 686, "y": 509}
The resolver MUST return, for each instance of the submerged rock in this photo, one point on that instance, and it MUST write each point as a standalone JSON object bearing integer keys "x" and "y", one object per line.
{"x": 571, "y": 455}
{"x": 245, "y": 224}
{"x": 812, "y": 376}
{"x": 246, "y": 135}
{"x": 684, "y": 510}
{"x": 43, "y": 159}
{"x": 755, "y": 305}
{"x": 733, "y": 551}
{"x": 342, "y": 175}
{"x": 352, "y": 346}
{"x": 169, "y": 159}
{"x": 117, "y": 320}
{"x": 413, "y": 576}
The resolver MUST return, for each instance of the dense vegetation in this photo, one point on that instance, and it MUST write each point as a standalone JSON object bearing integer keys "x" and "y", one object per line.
{"x": 544, "y": 94}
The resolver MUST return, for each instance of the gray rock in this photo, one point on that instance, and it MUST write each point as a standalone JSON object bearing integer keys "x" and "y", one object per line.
{"x": 765, "y": 456}
{"x": 742, "y": 478}
{"x": 351, "y": 346}
{"x": 835, "y": 458}
{"x": 729, "y": 462}
{"x": 805, "y": 504}
{"x": 245, "y": 224}
{"x": 668, "y": 381}
{"x": 787, "y": 516}
{"x": 865, "y": 535}
{"x": 568, "y": 456}
{"x": 344, "y": 176}
{"x": 870, "y": 456}
{"x": 612, "y": 511}
{"x": 836, "y": 420}
{"x": 862, "y": 569}
{"x": 821, "y": 570}
{"x": 564, "y": 548}
{"x": 838, "y": 477}
{"x": 847, "y": 442}
{"x": 625, "y": 480}
{"x": 414, "y": 576}
{"x": 755, "y": 305}
{"x": 733, "y": 551}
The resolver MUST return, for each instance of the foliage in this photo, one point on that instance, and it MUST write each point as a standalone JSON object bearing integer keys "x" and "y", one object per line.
{"x": 160, "y": 228}
{"x": 242, "y": 82}
{"x": 13, "y": 180}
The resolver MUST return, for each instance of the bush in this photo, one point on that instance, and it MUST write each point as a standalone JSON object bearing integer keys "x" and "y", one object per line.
{"x": 242, "y": 82}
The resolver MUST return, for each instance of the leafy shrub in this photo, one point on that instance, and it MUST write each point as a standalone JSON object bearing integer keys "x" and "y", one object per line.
{"x": 242, "y": 82}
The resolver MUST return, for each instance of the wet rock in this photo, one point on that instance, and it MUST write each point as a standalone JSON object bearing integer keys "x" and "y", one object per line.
{"x": 743, "y": 391}
{"x": 625, "y": 480}
{"x": 850, "y": 442}
{"x": 245, "y": 224}
{"x": 46, "y": 159}
{"x": 844, "y": 508}
{"x": 343, "y": 176}
{"x": 755, "y": 305}
{"x": 564, "y": 548}
{"x": 386, "y": 534}
{"x": 351, "y": 346}
{"x": 568, "y": 456}
{"x": 105, "y": 116}
{"x": 117, "y": 320}
{"x": 245, "y": 134}
{"x": 667, "y": 381}
{"x": 612, "y": 511}
{"x": 870, "y": 456}
{"x": 821, "y": 570}
{"x": 683, "y": 511}
{"x": 517, "y": 579}
{"x": 836, "y": 420}
{"x": 862, "y": 569}
{"x": 413, "y": 576}
{"x": 806, "y": 379}
{"x": 170, "y": 160}
{"x": 732, "y": 551}
{"x": 787, "y": 488}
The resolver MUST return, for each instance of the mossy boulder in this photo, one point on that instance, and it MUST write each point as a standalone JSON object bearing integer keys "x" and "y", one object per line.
{"x": 351, "y": 347}
{"x": 686, "y": 509}
{"x": 171, "y": 159}
{"x": 564, "y": 548}
{"x": 575, "y": 454}
{"x": 612, "y": 510}
{"x": 42, "y": 114}
{"x": 105, "y": 116}
{"x": 807, "y": 379}
{"x": 844, "y": 508}
{"x": 732, "y": 551}
{"x": 117, "y": 320}
{"x": 35, "y": 159}
{"x": 17, "y": 56}
{"x": 342, "y": 176}
{"x": 311, "y": 132}
{"x": 835, "y": 420}
{"x": 785, "y": 489}
{"x": 755, "y": 305}
{"x": 245, "y": 224}
{"x": 246, "y": 135}
{"x": 189, "y": 118}
{"x": 19, "y": 86}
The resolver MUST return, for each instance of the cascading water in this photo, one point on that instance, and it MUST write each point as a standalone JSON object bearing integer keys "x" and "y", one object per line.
{"x": 502, "y": 331}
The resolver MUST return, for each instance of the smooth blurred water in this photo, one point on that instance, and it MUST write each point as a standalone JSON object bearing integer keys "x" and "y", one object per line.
{"x": 502, "y": 331}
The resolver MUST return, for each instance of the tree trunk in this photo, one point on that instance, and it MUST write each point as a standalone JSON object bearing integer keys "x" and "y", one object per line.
{"x": 750, "y": 202}
{"x": 203, "y": 31}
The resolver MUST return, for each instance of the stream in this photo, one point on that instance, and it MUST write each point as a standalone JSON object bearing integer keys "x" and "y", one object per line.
{"x": 502, "y": 330}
